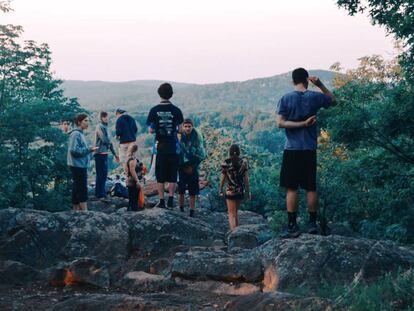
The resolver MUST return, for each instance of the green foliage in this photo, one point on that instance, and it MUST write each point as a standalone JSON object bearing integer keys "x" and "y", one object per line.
{"x": 32, "y": 150}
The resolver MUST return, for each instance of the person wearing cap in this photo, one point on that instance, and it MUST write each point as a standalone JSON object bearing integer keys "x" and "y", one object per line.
{"x": 164, "y": 120}
{"x": 126, "y": 132}
{"x": 192, "y": 154}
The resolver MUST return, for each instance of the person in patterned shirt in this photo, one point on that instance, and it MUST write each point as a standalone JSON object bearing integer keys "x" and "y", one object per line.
{"x": 234, "y": 172}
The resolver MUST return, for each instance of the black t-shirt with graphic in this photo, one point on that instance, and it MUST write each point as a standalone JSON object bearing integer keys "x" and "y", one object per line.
{"x": 165, "y": 119}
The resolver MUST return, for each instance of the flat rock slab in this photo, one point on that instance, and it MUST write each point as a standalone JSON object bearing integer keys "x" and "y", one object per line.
{"x": 220, "y": 266}
{"x": 142, "y": 281}
{"x": 249, "y": 236}
{"x": 17, "y": 273}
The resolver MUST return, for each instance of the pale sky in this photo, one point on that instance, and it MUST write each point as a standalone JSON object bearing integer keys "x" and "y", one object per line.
{"x": 193, "y": 40}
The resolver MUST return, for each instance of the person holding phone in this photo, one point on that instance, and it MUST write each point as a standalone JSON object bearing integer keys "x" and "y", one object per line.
{"x": 78, "y": 159}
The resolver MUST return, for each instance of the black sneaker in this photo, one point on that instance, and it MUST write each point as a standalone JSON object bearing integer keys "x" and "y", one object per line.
{"x": 313, "y": 228}
{"x": 290, "y": 232}
{"x": 160, "y": 204}
{"x": 182, "y": 208}
{"x": 170, "y": 203}
{"x": 192, "y": 213}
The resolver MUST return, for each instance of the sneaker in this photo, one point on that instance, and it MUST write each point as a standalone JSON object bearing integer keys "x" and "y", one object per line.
{"x": 290, "y": 232}
{"x": 313, "y": 228}
{"x": 192, "y": 212}
{"x": 160, "y": 204}
{"x": 170, "y": 203}
{"x": 104, "y": 200}
{"x": 182, "y": 208}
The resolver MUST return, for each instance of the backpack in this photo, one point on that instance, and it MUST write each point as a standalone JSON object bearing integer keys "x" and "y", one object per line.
{"x": 118, "y": 190}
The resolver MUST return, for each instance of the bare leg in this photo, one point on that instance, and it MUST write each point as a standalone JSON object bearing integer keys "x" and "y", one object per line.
{"x": 181, "y": 199}
{"x": 83, "y": 206}
{"x": 160, "y": 187}
{"x": 231, "y": 207}
{"x": 236, "y": 217}
{"x": 292, "y": 200}
{"x": 192, "y": 201}
{"x": 171, "y": 189}
{"x": 312, "y": 198}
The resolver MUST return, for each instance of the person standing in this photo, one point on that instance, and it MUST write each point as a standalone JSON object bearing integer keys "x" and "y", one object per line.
{"x": 192, "y": 153}
{"x": 296, "y": 113}
{"x": 164, "y": 121}
{"x": 104, "y": 144}
{"x": 126, "y": 132}
{"x": 78, "y": 158}
{"x": 235, "y": 173}
{"x": 134, "y": 168}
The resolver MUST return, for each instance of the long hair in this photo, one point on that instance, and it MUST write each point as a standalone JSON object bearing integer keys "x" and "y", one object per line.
{"x": 234, "y": 154}
{"x": 132, "y": 149}
{"x": 79, "y": 118}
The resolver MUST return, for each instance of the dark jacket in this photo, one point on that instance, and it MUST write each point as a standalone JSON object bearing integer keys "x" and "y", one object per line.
{"x": 126, "y": 129}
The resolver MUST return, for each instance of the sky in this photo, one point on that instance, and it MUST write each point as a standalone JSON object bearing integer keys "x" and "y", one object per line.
{"x": 195, "y": 41}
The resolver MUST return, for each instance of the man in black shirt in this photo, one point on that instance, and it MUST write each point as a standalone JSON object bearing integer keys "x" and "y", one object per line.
{"x": 164, "y": 120}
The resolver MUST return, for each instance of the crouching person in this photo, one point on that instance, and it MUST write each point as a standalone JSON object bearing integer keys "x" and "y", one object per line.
{"x": 192, "y": 153}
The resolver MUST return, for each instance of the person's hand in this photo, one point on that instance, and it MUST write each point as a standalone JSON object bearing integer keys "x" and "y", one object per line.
{"x": 249, "y": 196}
{"x": 188, "y": 170}
{"x": 315, "y": 81}
{"x": 92, "y": 149}
{"x": 221, "y": 194}
{"x": 117, "y": 158}
{"x": 138, "y": 186}
{"x": 310, "y": 121}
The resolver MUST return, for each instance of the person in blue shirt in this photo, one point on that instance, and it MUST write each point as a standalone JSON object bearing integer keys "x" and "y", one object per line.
{"x": 296, "y": 113}
{"x": 126, "y": 132}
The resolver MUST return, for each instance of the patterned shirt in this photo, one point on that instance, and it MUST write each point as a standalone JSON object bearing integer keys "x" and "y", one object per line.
{"x": 235, "y": 175}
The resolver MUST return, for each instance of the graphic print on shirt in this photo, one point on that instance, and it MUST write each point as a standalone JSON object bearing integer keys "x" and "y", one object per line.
{"x": 165, "y": 124}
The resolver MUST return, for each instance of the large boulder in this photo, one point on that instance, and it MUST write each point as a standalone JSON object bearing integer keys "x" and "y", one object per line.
{"x": 249, "y": 236}
{"x": 84, "y": 271}
{"x": 17, "y": 273}
{"x": 312, "y": 260}
{"x": 146, "y": 282}
{"x": 218, "y": 265}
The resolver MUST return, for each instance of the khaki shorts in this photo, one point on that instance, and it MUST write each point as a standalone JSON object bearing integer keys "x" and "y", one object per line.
{"x": 123, "y": 152}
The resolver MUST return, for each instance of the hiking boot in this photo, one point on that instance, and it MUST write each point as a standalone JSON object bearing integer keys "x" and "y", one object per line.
{"x": 182, "y": 208}
{"x": 313, "y": 228}
{"x": 170, "y": 203}
{"x": 192, "y": 212}
{"x": 290, "y": 232}
{"x": 160, "y": 204}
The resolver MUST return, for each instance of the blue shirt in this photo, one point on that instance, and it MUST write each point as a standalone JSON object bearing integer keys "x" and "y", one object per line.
{"x": 299, "y": 106}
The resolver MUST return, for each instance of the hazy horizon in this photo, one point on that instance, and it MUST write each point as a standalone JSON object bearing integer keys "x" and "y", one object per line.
{"x": 198, "y": 43}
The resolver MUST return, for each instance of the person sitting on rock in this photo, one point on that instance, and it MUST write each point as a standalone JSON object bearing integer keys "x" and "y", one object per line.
{"x": 234, "y": 172}
{"x": 192, "y": 153}
{"x": 296, "y": 113}
{"x": 78, "y": 159}
{"x": 134, "y": 171}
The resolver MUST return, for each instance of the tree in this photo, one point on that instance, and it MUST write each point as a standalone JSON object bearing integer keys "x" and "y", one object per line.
{"x": 31, "y": 107}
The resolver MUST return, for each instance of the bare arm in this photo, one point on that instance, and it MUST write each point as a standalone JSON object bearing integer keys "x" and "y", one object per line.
{"x": 283, "y": 123}
{"x": 222, "y": 181}
{"x": 318, "y": 83}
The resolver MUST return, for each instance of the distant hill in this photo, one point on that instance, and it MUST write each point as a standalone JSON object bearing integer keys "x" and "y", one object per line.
{"x": 139, "y": 96}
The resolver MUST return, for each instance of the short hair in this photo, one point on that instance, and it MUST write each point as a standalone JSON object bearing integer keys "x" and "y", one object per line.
{"x": 165, "y": 91}
{"x": 80, "y": 117}
{"x": 300, "y": 75}
{"x": 103, "y": 114}
{"x": 188, "y": 121}
{"x": 120, "y": 111}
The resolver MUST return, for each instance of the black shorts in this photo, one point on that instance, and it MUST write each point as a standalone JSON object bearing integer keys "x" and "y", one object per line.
{"x": 80, "y": 184}
{"x": 235, "y": 197}
{"x": 189, "y": 182}
{"x": 166, "y": 167}
{"x": 298, "y": 169}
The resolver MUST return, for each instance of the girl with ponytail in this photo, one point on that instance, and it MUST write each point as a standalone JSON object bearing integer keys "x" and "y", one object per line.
{"x": 234, "y": 172}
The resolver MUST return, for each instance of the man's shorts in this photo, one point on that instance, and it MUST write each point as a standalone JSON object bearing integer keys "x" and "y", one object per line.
{"x": 166, "y": 167}
{"x": 189, "y": 182}
{"x": 123, "y": 152}
{"x": 298, "y": 169}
